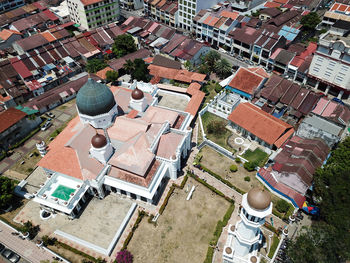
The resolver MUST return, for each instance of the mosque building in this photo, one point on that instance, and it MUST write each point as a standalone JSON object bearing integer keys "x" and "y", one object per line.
{"x": 121, "y": 142}
{"x": 245, "y": 238}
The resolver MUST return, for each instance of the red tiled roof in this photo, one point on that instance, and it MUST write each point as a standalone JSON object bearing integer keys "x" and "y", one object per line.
{"x": 50, "y": 15}
{"x": 132, "y": 114}
{"x": 10, "y": 117}
{"x": 193, "y": 88}
{"x": 102, "y": 73}
{"x": 228, "y": 14}
{"x": 272, "y": 5}
{"x": 47, "y": 35}
{"x": 195, "y": 102}
{"x": 90, "y": 2}
{"x": 148, "y": 60}
{"x": 6, "y": 33}
{"x": 263, "y": 125}
{"x": 298, "y": 198}
{"x": 176, "y": 74}
{"x": 246, "y": 80}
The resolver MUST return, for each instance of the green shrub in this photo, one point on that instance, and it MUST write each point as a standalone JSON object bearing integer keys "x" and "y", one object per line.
{"x": 166, "y": 199}
{"x": 218, "y": 88}
{"x": 273, "y": 247}
{"x": 247, "y": 179}
{"x": 249, "y": 166}
{"x": 238, "y": 160}
{"x": 76, "y": 251}
{"x": 282, "y": 206}
{"x": 233, "y": 168}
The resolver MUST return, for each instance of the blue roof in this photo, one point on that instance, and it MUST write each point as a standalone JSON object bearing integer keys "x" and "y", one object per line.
{"x": 239, "y": 92}
{"x": 95, "y": 98}
{"x": 290, "y": 33}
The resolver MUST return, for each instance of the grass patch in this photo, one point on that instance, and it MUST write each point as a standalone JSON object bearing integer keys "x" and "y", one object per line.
{"x": 29, "y": 163}
{"x": 274, "y": 245}
{"x": 209, "y": 90}
{"x": 220, "y": 139}
{"x": 257, "y": 156}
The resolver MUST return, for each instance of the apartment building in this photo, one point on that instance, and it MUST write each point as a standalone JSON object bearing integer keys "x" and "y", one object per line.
{"x": 213, "y": 27}
{"x": 131, "y": 4}
{"x": 189, "y": 8}
{"x": 337, "y": 11}
{"x": 330, "y": 66}
{"x": 164, "y": 11}
{"x": 93, "y": 13}
{"x": 7, "y": 5}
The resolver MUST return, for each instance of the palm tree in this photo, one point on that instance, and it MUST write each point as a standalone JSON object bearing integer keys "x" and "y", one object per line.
{"x": 211, "y": 58}
{"x": 222, "y": 68}
{"x": 129, "y": 66}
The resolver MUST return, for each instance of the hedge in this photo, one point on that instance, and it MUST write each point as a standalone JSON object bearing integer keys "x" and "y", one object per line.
{"x": 135, "y": 226}
{"x": 24, "y": 139}
{"x": 271, "y": 228}
{"x": 171, "y": 190}
{"x": 217, "y": 233}
{"x": 222, "y": 179}
{"x": 273, "y": 246}
{"x": 76, "y": 251}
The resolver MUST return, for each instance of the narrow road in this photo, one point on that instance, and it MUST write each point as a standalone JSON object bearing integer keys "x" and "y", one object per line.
{"x": 25, "y": 248}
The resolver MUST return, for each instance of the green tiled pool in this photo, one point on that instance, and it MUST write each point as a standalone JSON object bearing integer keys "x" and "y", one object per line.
{"x": 63, "y": 192}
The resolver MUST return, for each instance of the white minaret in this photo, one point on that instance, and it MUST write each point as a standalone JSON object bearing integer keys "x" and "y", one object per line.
{"x": 101, "y": 149}
{"x": 138, "y": 101}
{"x": 245, "y": 238}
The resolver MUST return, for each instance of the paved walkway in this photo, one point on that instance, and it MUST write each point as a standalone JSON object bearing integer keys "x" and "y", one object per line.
{"x": 25, "y": 248}
{"x": 61, "y": 116}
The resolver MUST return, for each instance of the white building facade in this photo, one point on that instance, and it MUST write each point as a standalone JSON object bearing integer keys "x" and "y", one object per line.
{"x": 330, "y": 67}
{"x": 245, "y": 238}
{"x": 93, "y": 13}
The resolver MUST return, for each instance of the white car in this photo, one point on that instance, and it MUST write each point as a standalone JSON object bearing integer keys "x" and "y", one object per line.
{"x": 47, "y": 125}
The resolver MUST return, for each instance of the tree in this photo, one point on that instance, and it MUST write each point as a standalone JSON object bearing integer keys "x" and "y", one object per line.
{"x": 222, "y": 68}
{"x": 95, "y": 64}
{"x": 310, "y": 21}
{"x": 124, "y": 256}
{"x": 210, "y": 58}
{"x": 6, "y": 191}
{"x": 233, "y": 168}
{"x": 123, "y": 45}
{"x": 111, "y": 76}
{"x": 330, "y": 238}
{"x": 141, "y": 71}
{"x": 250, "y": 166}
{"x": 129, "y": 66}
{"x": 282, "y": 206}
{"x": 204, "y": 69}
{"x": 216, "y": 127}
{"x": 317, "y": 243}
{"x": 188, "y": 65}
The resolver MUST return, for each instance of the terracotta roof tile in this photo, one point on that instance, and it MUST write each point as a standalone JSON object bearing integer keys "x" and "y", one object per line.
{"x": 195, "y": 102}
{"x": 6, "y": 33}
{"x": 176, "y": 74}
{"x": 246, "y": 80}
{"x": 102, "y": 73}
{"x": 10, "y": 117}
{"x": 263, "y": 125}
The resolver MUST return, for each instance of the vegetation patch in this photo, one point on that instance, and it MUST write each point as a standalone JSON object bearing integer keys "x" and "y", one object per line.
{"x": 257, "y": 156}
{"x": 274, "y": 245}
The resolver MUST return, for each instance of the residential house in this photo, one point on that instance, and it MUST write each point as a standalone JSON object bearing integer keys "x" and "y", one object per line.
{"x": 164, "y": 11}
{"x": 268, "y": 13}
{"x": 7, "y": 37}
{"x": 246, "y": 82}
{"x": 8, "y": 17}
{"x": 14, "y": 125}
{"x": 131, "y": 4}
{"x": 291, "y": 174}
{"x": 337, "y": 12}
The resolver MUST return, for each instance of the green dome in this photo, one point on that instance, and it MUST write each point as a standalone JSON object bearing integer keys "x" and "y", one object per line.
{"x": 94, "y": 98}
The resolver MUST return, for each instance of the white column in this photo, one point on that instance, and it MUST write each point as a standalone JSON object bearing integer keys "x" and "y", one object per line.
{"x": 119, "y": 191}
{"x": 138, "y": 197}
{"x": 340, "y": 94}
{"x": 128, "y": 194}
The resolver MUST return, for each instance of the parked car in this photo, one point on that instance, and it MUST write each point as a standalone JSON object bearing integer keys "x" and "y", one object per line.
{"x": 1, "y": 247}
{"x": 46, "y": 126}
{"x": 50, "y": 114}
{"x": 10, "y": 255}
{"x": 338, "y": 100}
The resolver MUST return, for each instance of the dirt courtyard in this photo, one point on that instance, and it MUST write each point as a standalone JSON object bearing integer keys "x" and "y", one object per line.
{"x": 183, "y": 231}
{"x": 220, "y": 165}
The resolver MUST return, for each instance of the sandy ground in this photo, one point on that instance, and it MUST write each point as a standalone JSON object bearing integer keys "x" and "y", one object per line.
{"x": 184, "y": 230}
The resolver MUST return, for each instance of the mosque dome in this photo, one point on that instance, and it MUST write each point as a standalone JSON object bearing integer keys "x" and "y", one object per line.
{"x": 94, "y": 98}
{"x": 98, "y": 141}
{"x": 259, "y": 199}
{"x": 137, "y": 94}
